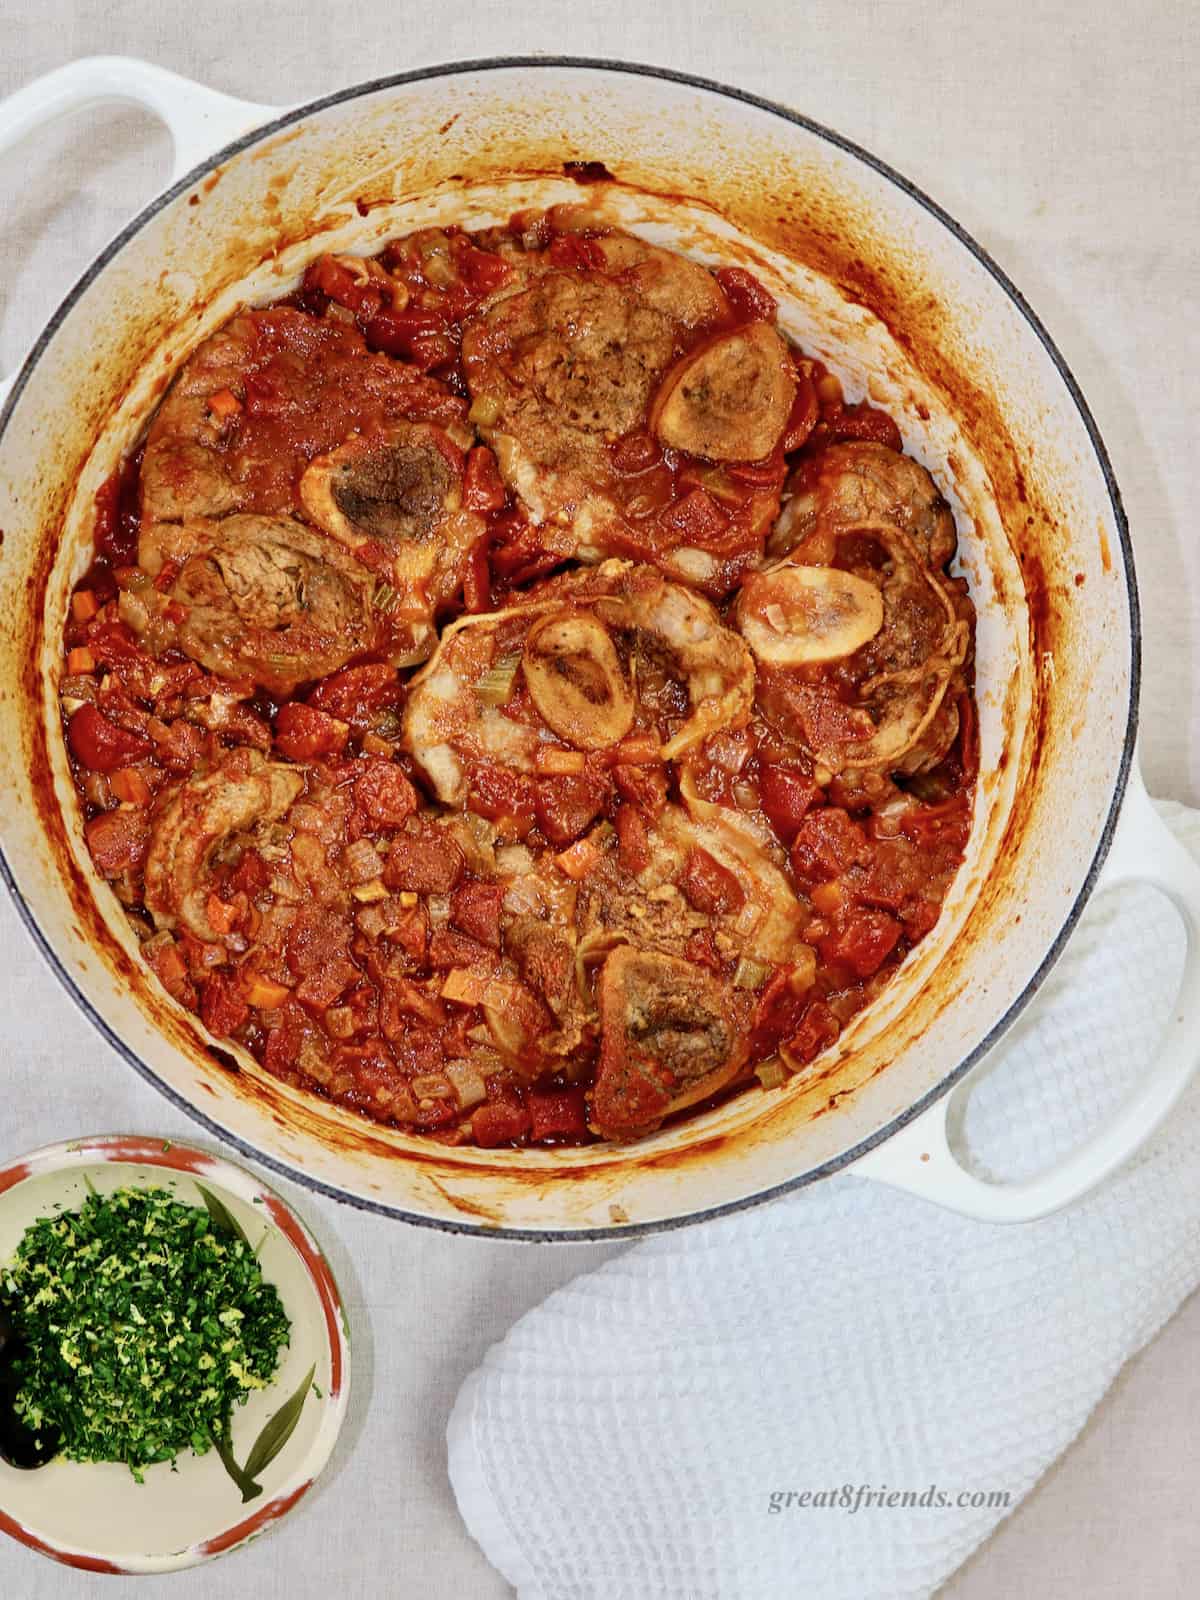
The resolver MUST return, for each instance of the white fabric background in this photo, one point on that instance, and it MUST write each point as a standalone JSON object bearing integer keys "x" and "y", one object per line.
{"x": 1066, "y": 137}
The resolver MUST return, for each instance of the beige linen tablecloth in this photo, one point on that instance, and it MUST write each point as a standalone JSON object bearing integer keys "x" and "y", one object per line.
{"x": 1066, "y": 137}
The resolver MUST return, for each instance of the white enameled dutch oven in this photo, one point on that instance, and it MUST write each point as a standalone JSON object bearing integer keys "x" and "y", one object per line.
{"x": 884, "y": 287}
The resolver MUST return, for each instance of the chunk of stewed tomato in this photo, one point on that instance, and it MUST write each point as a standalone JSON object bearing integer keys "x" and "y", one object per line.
{"x": 864, "y": 941}
{"x": 302, "y": 733}
{"x": 786, "y": 797}
{"x": 827, "y": 842}
{"x": 384, "y": 794}
{"x": 118, "y": 840}
{"x": 709, "y": 886}
{"x": 556, "y": 1114}
{"x": 354, "y": 694}
{"x": 426, "y": 861}
{"x": 566, "y": 806}
{"x": 100, "y": 744}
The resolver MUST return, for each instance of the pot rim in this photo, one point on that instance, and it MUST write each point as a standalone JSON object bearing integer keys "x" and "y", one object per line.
{"x": 945, "y": 1084}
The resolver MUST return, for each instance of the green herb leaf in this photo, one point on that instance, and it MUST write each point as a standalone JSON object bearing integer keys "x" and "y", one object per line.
{"x": 495, "y": 686}
{"x": 250, "y": 1489}
{"x": 278, "y": 1430}
{"x": 143, "y": 1323}
{"x": 222, "y": 1218}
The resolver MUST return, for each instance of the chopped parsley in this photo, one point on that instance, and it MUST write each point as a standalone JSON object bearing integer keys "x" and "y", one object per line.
{"x": 144, "y": 1323}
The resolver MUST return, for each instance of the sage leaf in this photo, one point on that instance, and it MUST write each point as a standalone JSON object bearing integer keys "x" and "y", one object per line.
{"x": 222, "y": 1218}
{"x": 278, "y": 1430}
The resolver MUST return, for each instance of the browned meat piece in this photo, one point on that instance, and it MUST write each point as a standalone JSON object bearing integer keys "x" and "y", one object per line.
{"x": 569, "y": 364}
{"x": 192, "y": 823}
{"x": 597, "y": 655}
{"x": 898, "y": 661}
{"x": 656, "y": 906}
{"x": 546, "y": 961}
{"x": 862, "y": 482}
{"x": 257, "y": 597}
{"x": 186, "y": 472}
{"x": 260, "y": 399}
{"x": 672, "y": 1035}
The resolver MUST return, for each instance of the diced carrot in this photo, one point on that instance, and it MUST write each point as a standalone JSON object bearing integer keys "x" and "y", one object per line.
{"x": 84, "y": 605}
{"x": 264, "y": 993}
{"x": 558, "y": 763}
{"x": 80, "y": 659}
{"x": 375, "y": 746}
{"x": 638, "y": 750}
{"x": 220, "y": 914}
{"x": 169, "y": 965}
{"x": 412, "y": 605}
{"x": 224, "y": 404}
{"x": 578, "y": 859}
{"x": 128, "y": 784}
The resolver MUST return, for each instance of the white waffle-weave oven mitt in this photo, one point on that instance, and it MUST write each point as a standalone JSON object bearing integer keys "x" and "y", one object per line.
{"x": 638, "y": 1434}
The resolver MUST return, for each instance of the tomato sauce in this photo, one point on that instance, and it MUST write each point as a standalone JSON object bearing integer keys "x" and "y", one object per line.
{"x": 319, "y": 906}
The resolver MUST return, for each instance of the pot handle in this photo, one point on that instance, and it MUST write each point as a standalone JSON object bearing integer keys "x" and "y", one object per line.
{"x": 919, "y": 1158}
{"x": 200, "y": 120}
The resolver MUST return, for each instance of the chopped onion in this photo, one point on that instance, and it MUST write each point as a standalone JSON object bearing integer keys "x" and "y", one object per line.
{"x": 368, "y": 893}
{"x": 361, "y": 861}
{"x": 431, "y": 1086}
{"x": 514, "y": 860}
{"x": 439, "y": 909}
{"x": 468, "y": 1083}
{"x": 463, "y": 987}
{"x": 339, "y": 1022}
{"x": 308, "y": 854}
{"x": 378, "y": 920}
{"x": 485, "y": 411}
{"x": 804, "y": 970}
{"x": 695, "y": 564}
{"x": 771, "y": 1074}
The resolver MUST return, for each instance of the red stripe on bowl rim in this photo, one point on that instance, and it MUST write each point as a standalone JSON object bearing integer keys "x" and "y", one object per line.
{"x": 305, "y": 1247}
{"x": 232, "y": 1537}
{"x": 12, "y": 1176}
{"x": 68, "y": 1558}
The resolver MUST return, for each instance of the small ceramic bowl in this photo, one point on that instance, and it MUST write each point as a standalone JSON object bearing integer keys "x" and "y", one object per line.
{"x": 95, "y": 1515}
